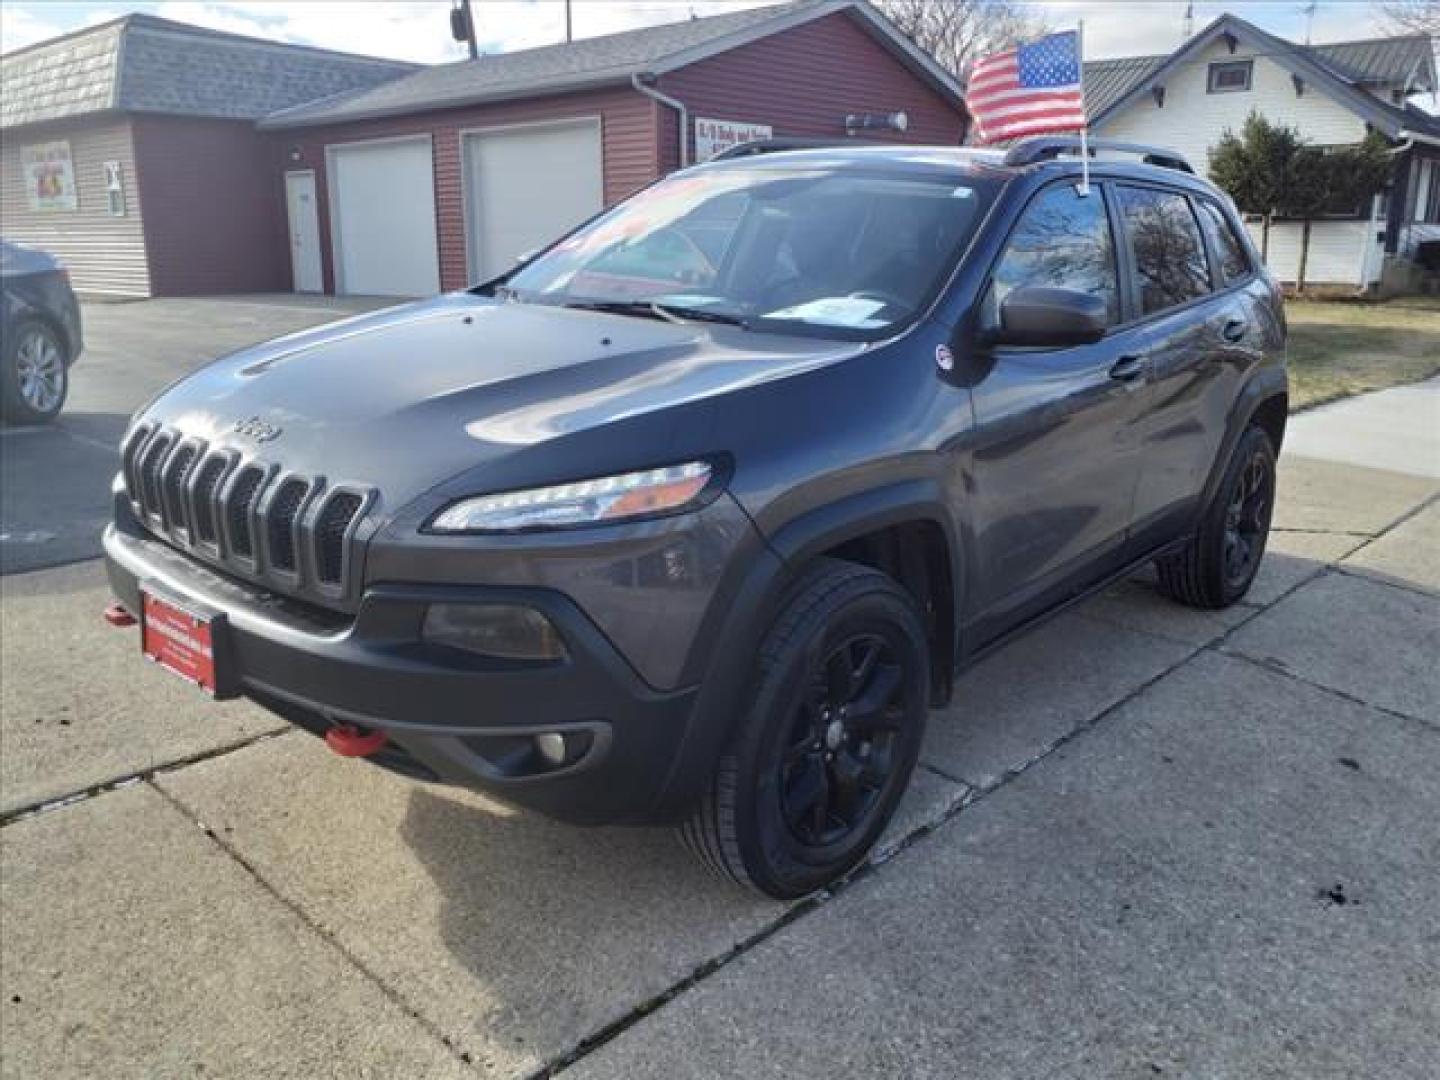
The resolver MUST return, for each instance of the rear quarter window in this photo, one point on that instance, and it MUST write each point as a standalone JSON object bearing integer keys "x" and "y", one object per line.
{"x": 1165, "y": 244}
{"x": 1234, "y": 260}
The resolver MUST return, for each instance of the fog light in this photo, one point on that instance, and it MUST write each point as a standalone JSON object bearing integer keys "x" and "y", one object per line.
{"x": 552, "y": 747}
{"x": 502, "y": 631}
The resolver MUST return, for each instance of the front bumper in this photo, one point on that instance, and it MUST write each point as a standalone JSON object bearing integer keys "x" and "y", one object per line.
{"x": 450, "y": 716}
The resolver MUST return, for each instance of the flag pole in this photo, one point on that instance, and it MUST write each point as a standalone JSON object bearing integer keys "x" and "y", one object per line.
{"x": 1084, "y": 128}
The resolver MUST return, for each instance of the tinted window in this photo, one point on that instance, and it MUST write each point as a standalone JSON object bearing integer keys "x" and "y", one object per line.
{"x": 1165, "y": 241}
{"x": 1234, "y": 263}
{"x": 1062, "y": 241}
{"x": 816, "y": 247}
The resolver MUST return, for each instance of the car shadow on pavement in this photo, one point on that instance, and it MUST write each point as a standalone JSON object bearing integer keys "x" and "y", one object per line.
{"x": 560, "y": 930}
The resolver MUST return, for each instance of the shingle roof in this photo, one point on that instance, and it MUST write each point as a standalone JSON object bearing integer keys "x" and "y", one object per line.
{"x": 141, "y": 63}
{"x": 1353, "y": 63}
{"x": 591, "y": 62}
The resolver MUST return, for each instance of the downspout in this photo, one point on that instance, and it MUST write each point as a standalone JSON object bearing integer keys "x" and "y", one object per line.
{"x": 674, "y": 103}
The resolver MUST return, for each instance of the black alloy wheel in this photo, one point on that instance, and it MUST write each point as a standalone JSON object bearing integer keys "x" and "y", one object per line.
{"x": 825, "y": 749}
{"x": 1218, "y": 564}
{"x": 842, "y": 741}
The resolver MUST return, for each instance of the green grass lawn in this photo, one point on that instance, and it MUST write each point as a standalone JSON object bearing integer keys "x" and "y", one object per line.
{"x": 1344, "y": 347}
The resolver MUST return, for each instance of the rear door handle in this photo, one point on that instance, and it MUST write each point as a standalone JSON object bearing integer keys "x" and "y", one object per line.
{"x": 1234, "y": 330}
{"x": 1128, "y": 368}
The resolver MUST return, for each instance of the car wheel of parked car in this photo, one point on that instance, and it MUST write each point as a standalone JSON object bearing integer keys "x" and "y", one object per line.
{"x": 832, "y": 733}
{"x": 36, "y": 378}
{"x": 1216, "y": 568}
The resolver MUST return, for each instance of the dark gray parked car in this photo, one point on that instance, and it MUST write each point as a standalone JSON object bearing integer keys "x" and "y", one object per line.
{"x": 39, "y": 334}
{"x": 694, "y": 516}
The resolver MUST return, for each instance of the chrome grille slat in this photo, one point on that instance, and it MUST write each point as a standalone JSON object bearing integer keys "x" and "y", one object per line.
{"x": 287, "y": 530}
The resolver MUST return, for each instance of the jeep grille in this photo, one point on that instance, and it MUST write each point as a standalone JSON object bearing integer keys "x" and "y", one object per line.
{"x": 253, "y": 519}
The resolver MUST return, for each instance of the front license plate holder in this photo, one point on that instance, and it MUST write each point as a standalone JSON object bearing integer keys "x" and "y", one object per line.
{"x": 188, "y": 640}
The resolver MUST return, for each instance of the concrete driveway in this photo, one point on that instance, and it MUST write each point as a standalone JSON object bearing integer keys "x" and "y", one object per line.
{"x": 1144, "y": 842}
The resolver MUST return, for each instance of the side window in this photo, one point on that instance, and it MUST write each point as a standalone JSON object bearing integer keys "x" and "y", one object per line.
{"x": 1165, "y": 242}
{"x": 1234, "y": 262}
{"x": 1063, "y": 241}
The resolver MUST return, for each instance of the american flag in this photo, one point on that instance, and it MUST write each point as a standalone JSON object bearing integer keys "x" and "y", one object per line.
{"x": 1028, "y": 90}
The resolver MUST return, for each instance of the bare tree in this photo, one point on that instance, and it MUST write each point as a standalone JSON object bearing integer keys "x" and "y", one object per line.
{"x": 1412, "y": 16}
{"x": 958, "y": 32}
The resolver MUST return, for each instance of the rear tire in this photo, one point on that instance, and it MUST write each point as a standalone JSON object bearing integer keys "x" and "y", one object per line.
{"x": 1218, "y": 565}
{"x": 830, "y": 738}
{"x": 34, "y": 375}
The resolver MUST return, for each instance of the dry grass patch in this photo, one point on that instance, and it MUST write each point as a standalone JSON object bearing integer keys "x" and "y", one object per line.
{"x": 1344, "y": 347}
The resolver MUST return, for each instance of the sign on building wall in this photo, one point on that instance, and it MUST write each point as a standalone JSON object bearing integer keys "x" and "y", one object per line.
{"x": 713, "y": 136}
{"x": 49, "y": 176}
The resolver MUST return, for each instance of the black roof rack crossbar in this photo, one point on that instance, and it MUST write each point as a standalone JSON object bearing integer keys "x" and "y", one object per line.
{"x": 1048, "y": 148}
{"x": 776, "y": 146}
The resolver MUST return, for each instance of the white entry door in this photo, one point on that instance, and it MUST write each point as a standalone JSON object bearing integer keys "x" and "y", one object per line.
{"x": 527, "y": 185}
{"x": 304, "y": 232}
{"x": 382, "y": 218}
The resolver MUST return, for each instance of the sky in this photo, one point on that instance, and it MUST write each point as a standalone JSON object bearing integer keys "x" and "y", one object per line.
{"x": 419, "y": 29}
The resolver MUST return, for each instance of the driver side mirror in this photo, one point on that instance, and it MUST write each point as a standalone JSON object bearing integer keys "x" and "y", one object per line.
{"x": 1041, "y": 315}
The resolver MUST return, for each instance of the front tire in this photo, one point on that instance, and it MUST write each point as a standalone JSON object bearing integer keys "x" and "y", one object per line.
{"x": 829, "y": 741}
{"x": 1218, "y": 565}
{"x": 35, "y": 377}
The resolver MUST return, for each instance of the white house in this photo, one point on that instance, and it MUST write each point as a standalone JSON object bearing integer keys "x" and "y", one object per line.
{"x": 1333, "y": 94}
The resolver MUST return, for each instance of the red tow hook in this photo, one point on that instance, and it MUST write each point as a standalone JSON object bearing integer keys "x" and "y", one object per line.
{"x": 116, "y": 615}
{"x": 348, "y": 741}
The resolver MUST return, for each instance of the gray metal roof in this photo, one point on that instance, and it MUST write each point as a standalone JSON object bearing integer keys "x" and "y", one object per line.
{"x": 1347, "y": 65}
{"x": 141, "y": 63}
{"x": 1107, "y": 81}
{"x": 1383, "y": 60}
{"x": 597, "y": 61}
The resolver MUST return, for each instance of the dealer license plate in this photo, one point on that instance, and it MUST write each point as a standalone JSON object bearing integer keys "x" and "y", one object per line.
{"x": 179, "y": 640}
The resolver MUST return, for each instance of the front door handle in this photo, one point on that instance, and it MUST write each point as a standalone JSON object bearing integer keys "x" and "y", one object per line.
{"x": 1128, "y": 368}
{"x": 1234, "y": 330}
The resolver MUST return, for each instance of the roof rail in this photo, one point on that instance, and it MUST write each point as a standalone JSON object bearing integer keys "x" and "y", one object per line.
{"x": 1031, "y": 151}
{"x": 776, "y": 146}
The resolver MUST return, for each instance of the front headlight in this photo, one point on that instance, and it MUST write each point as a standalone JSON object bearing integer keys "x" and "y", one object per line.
{"x": 649, "y": 493}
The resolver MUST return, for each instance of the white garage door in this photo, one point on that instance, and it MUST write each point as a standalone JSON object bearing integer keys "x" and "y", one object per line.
{"x": 382, "y": 218}
{"x": 525, "y": 186}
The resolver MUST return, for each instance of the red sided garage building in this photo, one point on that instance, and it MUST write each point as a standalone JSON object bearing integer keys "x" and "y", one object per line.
{"x": 442, "y": 177}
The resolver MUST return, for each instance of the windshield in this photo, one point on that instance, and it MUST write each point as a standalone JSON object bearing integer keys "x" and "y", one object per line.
{"x": 821, "y": 249}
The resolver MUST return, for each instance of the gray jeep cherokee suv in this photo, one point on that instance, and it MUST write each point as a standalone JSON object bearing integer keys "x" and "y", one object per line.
{"x": 692, "y": 517}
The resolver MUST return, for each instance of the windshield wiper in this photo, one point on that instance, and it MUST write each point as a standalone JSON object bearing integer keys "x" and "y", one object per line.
{"x": 654, "y": 309}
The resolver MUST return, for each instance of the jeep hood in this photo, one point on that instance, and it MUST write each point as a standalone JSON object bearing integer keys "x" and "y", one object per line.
{"x": 406, "y": 398}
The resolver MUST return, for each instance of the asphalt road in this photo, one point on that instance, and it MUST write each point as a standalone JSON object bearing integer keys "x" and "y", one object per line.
{"x": 1144, "y": 842}
{"x": 55, "y": 479}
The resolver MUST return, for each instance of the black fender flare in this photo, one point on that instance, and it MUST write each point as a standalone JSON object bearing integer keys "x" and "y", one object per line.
{"x": 757, "y": 591}
{"x": 1265, "y": 385}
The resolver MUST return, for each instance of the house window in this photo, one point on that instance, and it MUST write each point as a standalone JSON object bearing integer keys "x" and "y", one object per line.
{"x": 1229, "y": 77}
{"x": 114, "y": 189}
{"x": 1430, "y": 192}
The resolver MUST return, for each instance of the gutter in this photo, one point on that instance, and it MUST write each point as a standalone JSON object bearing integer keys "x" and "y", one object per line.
{"x": 674, "y": 103}
{"x": 1412, "y": 137}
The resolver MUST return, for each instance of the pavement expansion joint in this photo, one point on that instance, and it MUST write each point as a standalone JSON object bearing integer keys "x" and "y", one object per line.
{"x": 325, "y": 934}
{"x": 60, "y": 802}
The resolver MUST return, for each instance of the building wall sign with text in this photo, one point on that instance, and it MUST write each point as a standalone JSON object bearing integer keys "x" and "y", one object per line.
{"x": 713, "y": 136}
{"x": 49, "y": 176}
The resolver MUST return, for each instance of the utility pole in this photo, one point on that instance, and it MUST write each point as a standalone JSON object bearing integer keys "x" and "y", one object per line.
{"x": 569, "y": 35}
{"x": 1309, "y": 10}
{"x": 462, "y": 26}
{"x": 1188, "y": 30}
